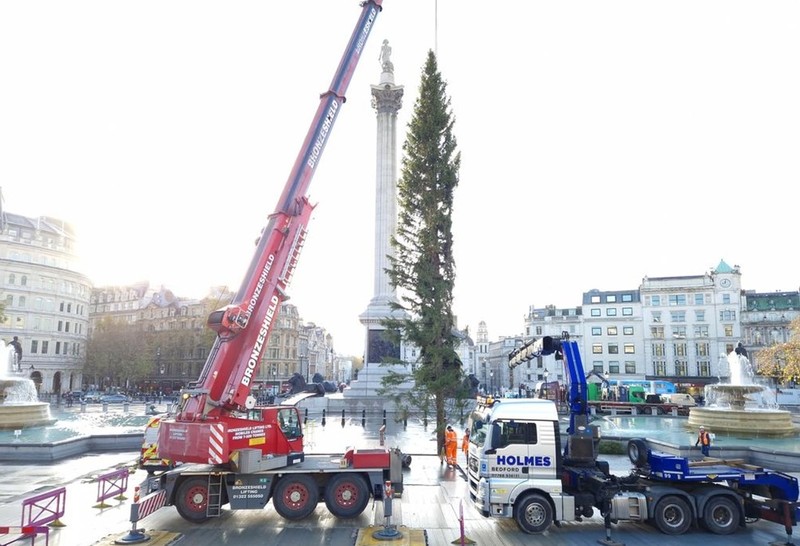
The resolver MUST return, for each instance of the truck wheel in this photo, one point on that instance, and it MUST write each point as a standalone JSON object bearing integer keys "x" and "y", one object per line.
{"x": 672, "y": 515}
{"x": 192, "y": 499}
{"x": 347, "y": 495}
{"x": 296, "y": 496}
{"x": 721, "y": 516}
{"x": 637, "y": 452}
{"x": 533, "y": 514}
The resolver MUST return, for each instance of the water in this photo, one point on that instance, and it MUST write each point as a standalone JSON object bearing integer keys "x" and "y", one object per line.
{"x": 332, "y": 437}
{"x": 75, "y": 425}
{"x": 413, "y": 438}
{"x": 674, "y": 430}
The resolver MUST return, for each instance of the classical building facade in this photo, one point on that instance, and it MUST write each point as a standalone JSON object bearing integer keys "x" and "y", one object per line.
{"x": 677, "y": 329}
{"x": 46, "y": 299}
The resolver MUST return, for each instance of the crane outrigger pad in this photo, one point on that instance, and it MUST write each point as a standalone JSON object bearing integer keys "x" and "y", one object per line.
{"x": 370, "y": 536}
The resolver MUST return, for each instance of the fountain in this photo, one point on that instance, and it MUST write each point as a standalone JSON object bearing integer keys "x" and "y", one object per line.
{"x": 742, "y": 406}
{"x": 19, "y": 404}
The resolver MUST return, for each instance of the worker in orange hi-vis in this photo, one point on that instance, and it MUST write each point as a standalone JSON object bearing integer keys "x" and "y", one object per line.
{"x": 450, "y": 446}
{"x": 465, "y": 443}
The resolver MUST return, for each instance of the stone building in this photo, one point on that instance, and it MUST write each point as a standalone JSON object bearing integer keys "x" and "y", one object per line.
{"x": 46, "y": 299}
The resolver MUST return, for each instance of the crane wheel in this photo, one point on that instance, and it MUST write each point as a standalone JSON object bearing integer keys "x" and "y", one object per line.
{"x": 296, "y": 496}
{"x": 637, "y": 452}
{"x": 347, "y": 495}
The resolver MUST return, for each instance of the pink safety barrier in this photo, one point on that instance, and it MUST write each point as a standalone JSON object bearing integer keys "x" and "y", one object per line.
{"x": 111, "y": 484}
{"x": 45, "y": 509}
{"x": 25, "y": 532}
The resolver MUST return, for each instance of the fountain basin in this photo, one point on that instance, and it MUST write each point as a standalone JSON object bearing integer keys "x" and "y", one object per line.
{"x": 751, "y": 422}
{"x": 19, "y": 406}
{"x": 18, "y": 416}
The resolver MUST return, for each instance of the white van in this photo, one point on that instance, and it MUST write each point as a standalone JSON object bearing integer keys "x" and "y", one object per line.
{"x": 679, "y": 398}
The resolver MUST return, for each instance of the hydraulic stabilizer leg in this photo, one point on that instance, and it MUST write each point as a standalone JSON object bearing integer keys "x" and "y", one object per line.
{"x": 608, "y": 541}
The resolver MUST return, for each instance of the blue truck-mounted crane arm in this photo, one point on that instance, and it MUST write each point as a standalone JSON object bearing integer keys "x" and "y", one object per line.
{"x": 567, "y": 350}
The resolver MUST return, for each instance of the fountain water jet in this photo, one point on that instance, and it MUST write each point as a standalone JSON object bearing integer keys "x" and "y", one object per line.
{"x": 19, "y": 404}
{"x": 741, "y": 407}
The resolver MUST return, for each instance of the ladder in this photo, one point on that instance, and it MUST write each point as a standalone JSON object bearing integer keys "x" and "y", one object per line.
{"x": 214, "y": 506}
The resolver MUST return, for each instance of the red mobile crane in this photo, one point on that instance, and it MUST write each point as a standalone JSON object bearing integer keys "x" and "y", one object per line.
{"x": 230, "y": 450}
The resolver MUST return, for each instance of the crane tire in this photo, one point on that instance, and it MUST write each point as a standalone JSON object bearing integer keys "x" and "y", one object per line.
{"x": 721, "y": 516}
{"x": 637, "y": 452}
{"x": 296, "y": 496}
{"x": 347, "y": 495}
{"x": 533, "y": 514}
{"x": 673, "y": 515}
{"x": 191, "y": 499}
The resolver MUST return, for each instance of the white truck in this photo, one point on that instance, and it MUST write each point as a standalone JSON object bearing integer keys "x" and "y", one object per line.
{"x": 516, "y": 468}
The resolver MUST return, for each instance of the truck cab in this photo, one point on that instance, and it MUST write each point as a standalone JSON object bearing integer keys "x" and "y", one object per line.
{"x": 514, "y": 450}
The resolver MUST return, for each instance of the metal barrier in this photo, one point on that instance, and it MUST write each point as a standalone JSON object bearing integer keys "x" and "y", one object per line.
{"x": 24, "y": 532}
{"x": 112, "y": 484}
{"x": 38, "y": 512}
{"x": 44, "y": 509}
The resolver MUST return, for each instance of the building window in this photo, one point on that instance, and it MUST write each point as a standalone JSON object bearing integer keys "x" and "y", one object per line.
{"x": 681, "y": 349}
{"x": 595, "y": 312}
{"x": 630, "y": 367}
{"x": 677, "y": 300}
{"x": 597, "y": 348}
{"x": 611, "y": 312}
{"x": 34, "y": 347}
{"x": 727, "y": 315}
{"x": 699, "y": 299}
{"x": 629, "y": 348}
{"x": 728, "y": 328}
{"x": 627, "y": 311}
{"x": 657, "y": 332}
{"x": 726, "y": 299}
{"x": 660, "y": 368}
{"x": 659, "y": 349}
{"x": 702, "y": 349}
{"x": 680, "y": 368}
{"x": 613, "y": 367}
{"x": 597, "y": 366}
{"x": 597, "y": 331}
{"x": 678, "y": 316}
{"x": 655, "y": 300}
{"x": 656, "y": 316}
{"x": 613, "y": 349}
{"x": 700, "y": 330}
{"x": 679, "y": 332}
{"x": 611, "y": 298}
{"x": 703, "y": 368}
{"x": 700, "y": 315}
{"x": 627, "y": 330}
{"x": 44, "y": 347}
{"x": 611, "y": 330}
{"x": 627, "y": 297}
{"x": 595, "y": 299}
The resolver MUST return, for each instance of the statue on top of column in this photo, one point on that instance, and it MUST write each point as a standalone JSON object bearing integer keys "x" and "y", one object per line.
{"x": 384, "y": 58}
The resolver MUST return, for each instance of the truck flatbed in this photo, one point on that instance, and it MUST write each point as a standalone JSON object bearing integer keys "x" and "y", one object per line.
{"x": 664, "y": 467}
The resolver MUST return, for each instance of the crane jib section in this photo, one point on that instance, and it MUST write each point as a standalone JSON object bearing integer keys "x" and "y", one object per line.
{"x": 243, "y": 327}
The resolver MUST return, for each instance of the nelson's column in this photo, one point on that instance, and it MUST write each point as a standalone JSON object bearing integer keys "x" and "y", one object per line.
{"x": 387, "y": 101}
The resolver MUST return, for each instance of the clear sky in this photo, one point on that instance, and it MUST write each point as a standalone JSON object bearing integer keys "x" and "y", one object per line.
{"x": 601, "y": 141}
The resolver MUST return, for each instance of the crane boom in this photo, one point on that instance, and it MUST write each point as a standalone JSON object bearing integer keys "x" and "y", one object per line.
{"x": 243, "y": 327}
